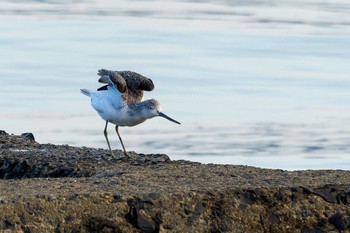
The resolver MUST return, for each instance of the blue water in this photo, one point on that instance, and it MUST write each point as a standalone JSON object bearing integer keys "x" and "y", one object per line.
{"x": 263, "y": 84}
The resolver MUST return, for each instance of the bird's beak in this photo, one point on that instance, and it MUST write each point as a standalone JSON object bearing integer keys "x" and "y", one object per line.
{"x": 168, "y": 118}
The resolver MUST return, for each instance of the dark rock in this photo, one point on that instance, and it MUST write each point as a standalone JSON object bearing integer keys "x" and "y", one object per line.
{"x": 248, "y": 197}
{"x": 150, "y": 159}
{"x": 279, "y": 196}
{"x": 307, "y": 190}
{"x": 116, "y": 198}
{"x": 18, "y": 171}
{"x": 343, "y": 198}
{"x": 137, "y": 218}
{"x": 188, "y": 209}
{"x": 347, "y": 198}
{"x": 340, "y": 221}
{"x": 161, "y": 158}
{"x": 154, "y": 195}
{"x": 5, "y": 165}
{"x": 5, "y": 225}
{"x": 275, "y": 219}
{"x": 327, "y": 192}
{"x": 145, "y": 224}
{"x": 199, "y": 208}
{"x": 62, "y": 171}
{"x": 12, "y": 168}
{"x": 2, "y": 132}
{"x": 97, "y": 224}
{"x": 72, "y": 196}
{"x": 321, "y": 222}
{"x": 211, "y": 192}
{"x": 251, "y": 196}
{"x": 294, "y": 197}
{"x": 28, "y": 135}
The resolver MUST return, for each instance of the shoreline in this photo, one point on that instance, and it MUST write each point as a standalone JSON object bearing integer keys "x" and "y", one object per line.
{"x": 63, "y": 188}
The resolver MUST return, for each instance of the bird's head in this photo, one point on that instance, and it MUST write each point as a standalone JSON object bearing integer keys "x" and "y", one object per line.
{"x": 153, "y": 107}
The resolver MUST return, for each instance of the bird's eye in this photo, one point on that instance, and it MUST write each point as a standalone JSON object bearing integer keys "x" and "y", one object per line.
{"x": 151, "y": 107}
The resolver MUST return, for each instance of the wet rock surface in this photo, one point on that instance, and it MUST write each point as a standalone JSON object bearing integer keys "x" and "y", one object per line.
{"x": 51, "y": 188}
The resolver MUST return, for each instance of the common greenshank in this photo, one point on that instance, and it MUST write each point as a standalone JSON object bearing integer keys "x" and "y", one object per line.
{"x": 120, "y": 102}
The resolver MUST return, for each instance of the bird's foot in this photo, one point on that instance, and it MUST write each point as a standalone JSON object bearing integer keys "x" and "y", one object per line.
{"x": 111, "y": 156}
{"x": 126, "y": 155}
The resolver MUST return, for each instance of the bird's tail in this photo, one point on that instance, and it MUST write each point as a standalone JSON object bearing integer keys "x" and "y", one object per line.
{"x": 85, "y": 92}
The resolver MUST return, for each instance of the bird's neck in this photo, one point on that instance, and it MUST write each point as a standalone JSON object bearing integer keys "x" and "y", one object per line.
{"x": 138, "y": 111}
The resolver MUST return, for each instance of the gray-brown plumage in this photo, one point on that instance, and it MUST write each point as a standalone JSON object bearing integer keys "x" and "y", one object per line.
{"x": 130, "y": 83}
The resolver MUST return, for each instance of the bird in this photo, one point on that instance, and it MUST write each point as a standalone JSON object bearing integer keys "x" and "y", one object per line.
{"x": 120, "y": 101}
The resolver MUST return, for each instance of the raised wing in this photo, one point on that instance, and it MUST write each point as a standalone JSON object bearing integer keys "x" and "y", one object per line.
{"x": 136, "y": 81}
{"x": 112, "y": 78}
{"x": 133, "y": 84}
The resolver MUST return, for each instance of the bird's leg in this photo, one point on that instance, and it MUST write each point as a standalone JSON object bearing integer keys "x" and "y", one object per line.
{"x": 109, "y": 146}
{"x": 116, "y": 129}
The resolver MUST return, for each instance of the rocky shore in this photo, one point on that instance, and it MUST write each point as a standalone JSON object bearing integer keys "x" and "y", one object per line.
{"x": 59, "y": 188}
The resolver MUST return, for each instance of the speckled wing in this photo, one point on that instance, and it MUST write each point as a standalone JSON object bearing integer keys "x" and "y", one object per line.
{"x": 136, "y": 84}
{"x": 112, "y": 78}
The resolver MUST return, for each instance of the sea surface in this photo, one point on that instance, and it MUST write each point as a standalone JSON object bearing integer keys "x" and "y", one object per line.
{"x": 258, "y": 83}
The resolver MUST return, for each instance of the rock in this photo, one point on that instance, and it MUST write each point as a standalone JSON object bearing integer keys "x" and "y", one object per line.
{"x": 69, "y": 189}
{"x": 279, "y": 196}
{"x": 18, "y": 170}
{"x": 343, "y": 198}
{"x": 154, "y": 195}
{"x": 100, "y": 225}
{"x": 137, "y": 216}
{"x": 145, "y": 224}
{"x": 248, "y": 197}
{"x": 5, "y": 225}
{"x": 29, "y": 136}
{"x": 211, "y": 192}
{"x": 340, "y": 221}
{"x": 330, "y": 193}
{"x": 12, "y": 168}
{"x": 2, "y": 132}
{"x": 62, "y": 171}
{"x": 321, "y": 222}
{"x": 150, "y": 159}
{"x": 274, "y": 219}
{"x": 199, "y": 208}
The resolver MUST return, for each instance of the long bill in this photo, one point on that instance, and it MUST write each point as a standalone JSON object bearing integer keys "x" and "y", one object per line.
{"x": 168, "y": 118}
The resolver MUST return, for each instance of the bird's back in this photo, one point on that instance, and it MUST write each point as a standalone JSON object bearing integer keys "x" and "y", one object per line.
{"x": 136, "y": 84}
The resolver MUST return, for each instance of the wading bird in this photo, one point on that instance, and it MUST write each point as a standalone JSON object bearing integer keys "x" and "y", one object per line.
{"x": 120, "y": 101}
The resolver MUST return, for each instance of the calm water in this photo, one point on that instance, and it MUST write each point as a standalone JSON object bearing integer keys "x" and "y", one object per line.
{"x": 263, "y": 84}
